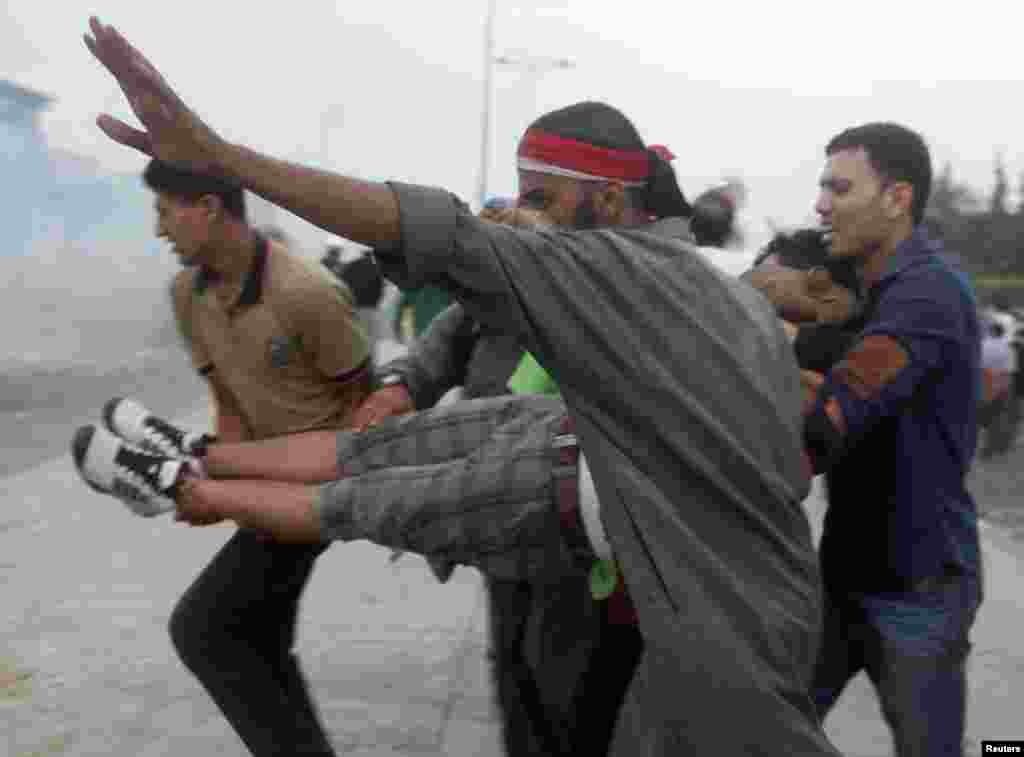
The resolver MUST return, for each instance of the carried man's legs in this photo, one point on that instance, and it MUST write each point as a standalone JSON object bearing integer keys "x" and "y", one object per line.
{"x": 476, "y": 483}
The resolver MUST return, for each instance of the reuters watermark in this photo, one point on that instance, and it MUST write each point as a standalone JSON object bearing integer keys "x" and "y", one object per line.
{"x": 1002, "y": 747}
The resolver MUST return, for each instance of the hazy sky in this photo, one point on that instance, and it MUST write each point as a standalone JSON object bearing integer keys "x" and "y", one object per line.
{"x": 393, "y": 87}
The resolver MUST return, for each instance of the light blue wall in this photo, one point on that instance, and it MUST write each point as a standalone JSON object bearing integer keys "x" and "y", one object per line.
{"x": 51, "y": 198}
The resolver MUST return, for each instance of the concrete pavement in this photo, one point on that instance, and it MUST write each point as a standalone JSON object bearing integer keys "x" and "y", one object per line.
{"x": 395, "y": 659}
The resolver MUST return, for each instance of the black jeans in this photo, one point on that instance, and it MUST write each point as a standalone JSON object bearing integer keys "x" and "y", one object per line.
{"x": 234, "y": 628}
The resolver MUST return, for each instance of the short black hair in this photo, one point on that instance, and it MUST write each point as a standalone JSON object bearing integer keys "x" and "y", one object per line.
{"x": 190, "y": 186}
{"x": 896, "y": 153}
{"x": 804, "y": 249}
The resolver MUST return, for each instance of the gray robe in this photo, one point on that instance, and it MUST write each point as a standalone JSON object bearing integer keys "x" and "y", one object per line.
{"x": 686, "y": 398}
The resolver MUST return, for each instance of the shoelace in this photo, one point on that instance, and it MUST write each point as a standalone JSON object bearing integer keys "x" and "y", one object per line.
{"x": 140, "y": 469}
{"x": 164, "y": 436}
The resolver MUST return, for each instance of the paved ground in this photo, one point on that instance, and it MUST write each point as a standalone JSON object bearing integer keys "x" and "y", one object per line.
{"x": 41, "y": 401}
{"x": 396, "y": 660}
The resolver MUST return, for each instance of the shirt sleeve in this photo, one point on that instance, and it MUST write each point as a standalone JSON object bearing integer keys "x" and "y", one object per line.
{"x": 181, "y": 299}
{"x": 553, "y": 290}
{"x": 328, "y": 329}
{"x": 437, "y": 360}
{"x": 906, "y": 343}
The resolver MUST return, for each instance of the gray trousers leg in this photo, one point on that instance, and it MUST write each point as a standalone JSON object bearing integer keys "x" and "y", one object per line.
{"x": 472, "y": 483}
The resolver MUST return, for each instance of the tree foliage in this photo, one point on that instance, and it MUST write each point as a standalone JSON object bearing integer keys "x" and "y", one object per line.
{"x": 984, "y": 233}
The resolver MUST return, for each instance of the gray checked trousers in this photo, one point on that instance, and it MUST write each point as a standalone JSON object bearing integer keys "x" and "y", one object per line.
{"x": 475, "y": 483}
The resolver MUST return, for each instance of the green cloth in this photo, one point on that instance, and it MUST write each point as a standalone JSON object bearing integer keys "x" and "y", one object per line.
{"x": 604, "y": 577}
{"x": 530, "y": 378}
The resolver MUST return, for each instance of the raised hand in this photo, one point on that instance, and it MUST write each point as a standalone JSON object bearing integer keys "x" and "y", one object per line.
{"x": 173, "y": 133}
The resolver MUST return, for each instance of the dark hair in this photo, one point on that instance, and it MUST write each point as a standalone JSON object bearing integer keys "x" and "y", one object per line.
{"x": 995, "y": 328}
{"x": 896, "y": 153}
{"x": 714, "y": 213}
{"x": 190, "y": 186}
{"x": 364, "y": 278}
{"x": 804, "y": 249}
{"x": 601, "y": 125}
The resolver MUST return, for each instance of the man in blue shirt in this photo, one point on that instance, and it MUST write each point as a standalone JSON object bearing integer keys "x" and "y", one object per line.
{"x": 893, "y": 426}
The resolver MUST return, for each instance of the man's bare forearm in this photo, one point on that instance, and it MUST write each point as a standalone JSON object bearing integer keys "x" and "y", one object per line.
{"x": 363, "y": 211}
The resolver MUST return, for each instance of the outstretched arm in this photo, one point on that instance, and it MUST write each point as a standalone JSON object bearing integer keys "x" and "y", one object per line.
{"x": 362, "y": 211}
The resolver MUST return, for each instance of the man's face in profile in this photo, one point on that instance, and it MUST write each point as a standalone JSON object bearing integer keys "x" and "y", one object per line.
{"x": 184, "y": 225}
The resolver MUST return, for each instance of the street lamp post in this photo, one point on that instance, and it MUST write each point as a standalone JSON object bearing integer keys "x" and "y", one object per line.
{"x": 532, "y": 63}
{"x": 330, "y": 116}
{"x": 485, "y": 126}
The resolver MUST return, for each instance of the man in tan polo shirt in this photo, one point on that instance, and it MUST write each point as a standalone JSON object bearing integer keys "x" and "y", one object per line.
{"x": 277, "y": 339}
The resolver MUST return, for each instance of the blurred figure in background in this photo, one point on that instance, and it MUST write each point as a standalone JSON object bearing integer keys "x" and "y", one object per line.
{"x": 713, "y": 223}
{"x": 375, "y": 298}
{"x": 1003, "y": 434}
{"x": 998, "y": 363}
{"x": 715, "y": 228}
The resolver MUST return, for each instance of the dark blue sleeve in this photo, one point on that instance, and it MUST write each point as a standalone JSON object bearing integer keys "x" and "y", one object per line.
{"x": 915, "y": 326}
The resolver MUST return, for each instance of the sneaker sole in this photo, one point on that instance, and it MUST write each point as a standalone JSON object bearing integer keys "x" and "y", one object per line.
{"x": 79, "y": 449}
{"x": 108, "y": 413}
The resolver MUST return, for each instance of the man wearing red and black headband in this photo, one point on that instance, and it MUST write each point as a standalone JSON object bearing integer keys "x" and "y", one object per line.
{"x": 680, "y": 382}
{"x": 553, "y": 698}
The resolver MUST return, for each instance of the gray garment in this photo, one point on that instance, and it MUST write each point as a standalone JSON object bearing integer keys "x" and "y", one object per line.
{"x": 456, "y": 351}
{"x": 473, "y": 483}
{"x": 686, "y": 398}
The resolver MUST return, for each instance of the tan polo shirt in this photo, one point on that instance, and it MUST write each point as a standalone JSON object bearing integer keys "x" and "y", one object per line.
{"x": 290, "y": 351}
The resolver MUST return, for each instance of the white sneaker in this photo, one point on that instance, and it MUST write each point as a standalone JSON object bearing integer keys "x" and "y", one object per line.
{"x": 137, "y": 425}
{"x": 142, "y": 480}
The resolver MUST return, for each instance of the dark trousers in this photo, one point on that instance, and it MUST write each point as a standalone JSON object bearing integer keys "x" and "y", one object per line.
{"x": 529, "y": 725}
{"x": 557, "y": 696}
{"x": 603, "y": 688}
{"x": 234, "y": 628}
{"x": 913, "y": 646}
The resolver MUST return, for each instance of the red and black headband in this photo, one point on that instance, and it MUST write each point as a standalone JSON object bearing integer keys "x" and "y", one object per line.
{"x": 543, "y": 152}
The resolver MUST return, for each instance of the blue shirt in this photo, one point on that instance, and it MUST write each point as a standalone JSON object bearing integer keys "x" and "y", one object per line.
{"x": 908, "y": 390}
